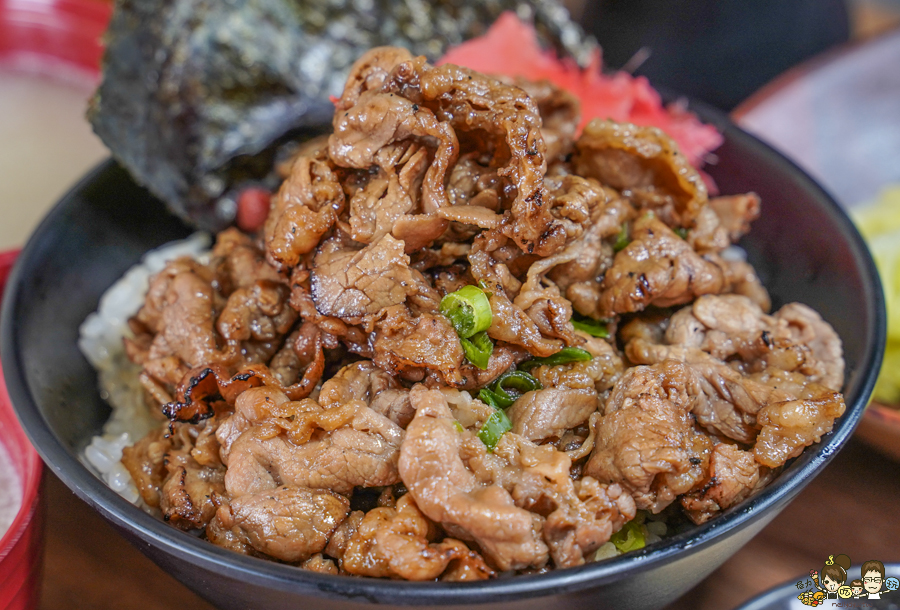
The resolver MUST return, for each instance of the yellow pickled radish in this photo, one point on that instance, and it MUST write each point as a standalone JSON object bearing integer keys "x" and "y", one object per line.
{"x": 879, "y": 223}
{"x": 881, "y": 216}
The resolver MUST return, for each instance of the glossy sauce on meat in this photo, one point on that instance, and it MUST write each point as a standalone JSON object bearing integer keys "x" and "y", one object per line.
{"x": 322, "y": 412}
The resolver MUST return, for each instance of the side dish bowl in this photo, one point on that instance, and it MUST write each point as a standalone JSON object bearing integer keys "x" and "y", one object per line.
{"x": 804, "y": 248}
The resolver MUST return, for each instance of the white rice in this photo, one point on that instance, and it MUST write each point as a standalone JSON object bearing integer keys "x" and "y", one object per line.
{"x": 100, "y": 340}
{"x": 606, "y": 551}
{"x": 10, "y": 491}
{"x": 656, "y": 528}
{"x": 734, "y": 254}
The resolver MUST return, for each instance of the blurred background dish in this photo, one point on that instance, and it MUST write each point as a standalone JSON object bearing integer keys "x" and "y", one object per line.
{"x": 838, "y": 117}
{"x": 701, "y": 48}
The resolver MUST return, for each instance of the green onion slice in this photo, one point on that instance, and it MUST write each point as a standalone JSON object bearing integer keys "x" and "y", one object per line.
{"x": 681, "y": 232}
{"x": 496, "y": 426}
{"x": 486, "y": 287}
{"x": 564, "y": 356}
{"x": 622, "y": 239}
{"x": 478, "y": 349}
{"x": 468, "y": 310}
{"x": 517, "y": 381}
{"x": 489, "y": 398}
{"x": 630, "y": 537}
{"x": 595, "y": 328}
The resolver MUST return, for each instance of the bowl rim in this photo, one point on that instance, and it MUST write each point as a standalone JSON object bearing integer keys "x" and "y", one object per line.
{"x": 288, "y": 578}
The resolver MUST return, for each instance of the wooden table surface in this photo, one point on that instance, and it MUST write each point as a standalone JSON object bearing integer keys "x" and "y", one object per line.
{"x": 852, "y": 507}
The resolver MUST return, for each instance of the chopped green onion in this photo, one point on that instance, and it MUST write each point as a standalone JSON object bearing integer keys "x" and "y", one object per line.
{"x": 478, "y": 349}
{"x": 563, "y": 356}
{"x": 489, "y": 398}
{"x": 458, "y": 426}
{"x": 518, "y": 381}
{"x": 468, "y": 310}
{"x": 595, "y": 328}
{"x": 681, "y": 232}
{"x": 630, "y": 537}
{"x": 622, "y": 239}
{"x": 496, "y": 426}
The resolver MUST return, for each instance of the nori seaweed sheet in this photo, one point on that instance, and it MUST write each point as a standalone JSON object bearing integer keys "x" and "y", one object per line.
{"x": 198, "y": 94}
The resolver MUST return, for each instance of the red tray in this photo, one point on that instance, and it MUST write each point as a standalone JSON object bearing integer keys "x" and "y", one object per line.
{"x": 53, "y": 36}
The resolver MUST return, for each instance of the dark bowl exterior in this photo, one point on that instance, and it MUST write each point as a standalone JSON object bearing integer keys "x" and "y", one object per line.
{"x": 804, "y": 247}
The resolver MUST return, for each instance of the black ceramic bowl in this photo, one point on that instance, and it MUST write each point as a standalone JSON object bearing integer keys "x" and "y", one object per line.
{"x": 804, "y": 247}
